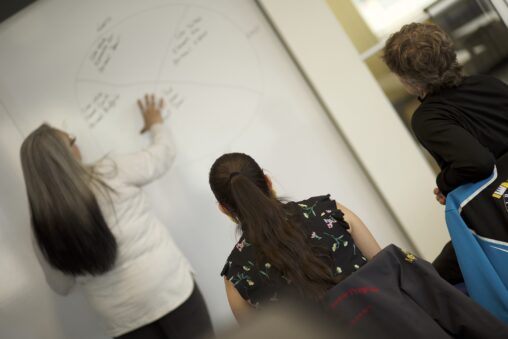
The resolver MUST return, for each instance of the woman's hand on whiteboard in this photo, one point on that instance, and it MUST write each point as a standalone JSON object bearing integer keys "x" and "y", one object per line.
{"x": 151, "y": 111}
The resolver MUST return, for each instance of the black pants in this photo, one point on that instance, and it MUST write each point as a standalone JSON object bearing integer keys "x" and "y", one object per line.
{"x": 447, "y": 265}
{"x": 396, "y": 295}
{"x": 190, "y": 320}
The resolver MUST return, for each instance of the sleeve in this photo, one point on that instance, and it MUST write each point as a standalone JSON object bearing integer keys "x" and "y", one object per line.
{"x": 145, "y": 166}
{"x": 226, "y": 269}
{"x": 465, "y": 159}
{"x": 324, "y": 209}
{"x": 59, "y": 282}
{"x": 240, "y": 279}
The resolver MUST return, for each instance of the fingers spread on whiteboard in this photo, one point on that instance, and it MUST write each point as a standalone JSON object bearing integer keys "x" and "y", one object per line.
{"x": 151, "y": 111}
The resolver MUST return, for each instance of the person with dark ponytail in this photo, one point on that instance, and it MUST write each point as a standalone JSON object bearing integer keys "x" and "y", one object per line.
{"x": 286, "y": 248}
{"x": 93, "y": 227}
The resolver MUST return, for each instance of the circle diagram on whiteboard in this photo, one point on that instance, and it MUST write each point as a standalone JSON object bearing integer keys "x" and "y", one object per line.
{"x": 197, "y": 59}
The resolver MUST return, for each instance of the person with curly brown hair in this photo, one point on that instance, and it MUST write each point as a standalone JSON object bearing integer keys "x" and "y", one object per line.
{"x": 462, "y": 120}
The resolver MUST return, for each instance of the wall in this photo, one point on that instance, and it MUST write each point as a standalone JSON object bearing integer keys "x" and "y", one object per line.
{"x": 365, "y": 117}
{"x": 81, "y": 65}
{"x": 362, "y": 38}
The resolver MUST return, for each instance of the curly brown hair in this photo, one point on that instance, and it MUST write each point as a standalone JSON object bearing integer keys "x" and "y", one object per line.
{"x": 423, "y": 55}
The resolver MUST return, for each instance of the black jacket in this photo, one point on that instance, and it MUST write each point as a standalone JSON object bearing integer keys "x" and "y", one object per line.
{"x": 397, "y": 295}
{"x": 465, "y": 129}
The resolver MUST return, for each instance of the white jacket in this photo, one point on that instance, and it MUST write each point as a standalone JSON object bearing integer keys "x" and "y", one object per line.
{"x": 151, "y": 277}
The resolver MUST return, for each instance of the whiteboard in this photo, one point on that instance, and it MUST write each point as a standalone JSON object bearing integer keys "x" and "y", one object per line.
{"x": 230, "y": 86}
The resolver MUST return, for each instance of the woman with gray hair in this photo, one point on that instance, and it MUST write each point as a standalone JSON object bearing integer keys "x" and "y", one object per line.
{"x": 93, "y": 227}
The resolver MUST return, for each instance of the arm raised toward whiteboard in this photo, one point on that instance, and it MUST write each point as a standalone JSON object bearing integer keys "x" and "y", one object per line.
{"x": 151, "y": 163}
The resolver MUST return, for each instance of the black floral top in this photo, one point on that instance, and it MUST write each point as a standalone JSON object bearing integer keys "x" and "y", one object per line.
{"x": 258, "y": 282}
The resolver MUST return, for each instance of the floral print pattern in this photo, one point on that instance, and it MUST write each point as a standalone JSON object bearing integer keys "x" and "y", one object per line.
{"x": 240, "y": 246}
{"x": 260, "y": 282}
{"x": 308, "y": 210}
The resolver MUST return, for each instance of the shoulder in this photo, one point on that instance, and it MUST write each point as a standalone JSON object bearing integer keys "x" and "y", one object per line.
{"x": 432, "y": 115}
{"x": 116, "y": 169}
{"x": 430, "y": 108}
{"x": 419, "y": 119}
{"x": 109, "y": 173}
{"x": 484, "y": 85}
{"x": 106, "y": 167}
{"x": 321, "y": 211}
{"x": 481, "y": 78}
{"x": 314, "y": 199}
{"x": 320, "y": 202}
{"x": 495, "y": 83}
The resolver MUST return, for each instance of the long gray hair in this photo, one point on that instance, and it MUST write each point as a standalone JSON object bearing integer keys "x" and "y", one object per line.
{"x": 68, "y": 224}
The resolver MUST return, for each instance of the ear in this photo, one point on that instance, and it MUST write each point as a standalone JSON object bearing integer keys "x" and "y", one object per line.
{"x": 270, "y": 186}
{"x": 224, "y": 210}
{"x": 269, "y": 182}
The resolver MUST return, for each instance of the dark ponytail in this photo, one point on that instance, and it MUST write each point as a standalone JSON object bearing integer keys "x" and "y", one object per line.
{"x": 66, "y": 219}
{"x": 240, "y": 185}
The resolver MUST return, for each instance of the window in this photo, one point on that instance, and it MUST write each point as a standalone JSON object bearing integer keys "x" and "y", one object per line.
{"x": 387, "y": 16}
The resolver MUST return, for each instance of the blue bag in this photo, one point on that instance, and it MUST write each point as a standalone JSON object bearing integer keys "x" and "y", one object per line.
{"x": 483, "y": 261}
